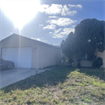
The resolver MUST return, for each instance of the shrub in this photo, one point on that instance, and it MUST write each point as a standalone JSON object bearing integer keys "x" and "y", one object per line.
{"x": 97, "y": 63}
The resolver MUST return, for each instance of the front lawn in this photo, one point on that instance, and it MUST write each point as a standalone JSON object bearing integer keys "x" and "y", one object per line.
{"x": 65, "y": 86}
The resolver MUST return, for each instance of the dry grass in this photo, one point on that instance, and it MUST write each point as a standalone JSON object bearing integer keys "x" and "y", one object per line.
{"x": 63, "y": 86}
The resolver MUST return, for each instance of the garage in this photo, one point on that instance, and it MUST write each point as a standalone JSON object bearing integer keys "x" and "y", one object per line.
{"x": 22, "y": 57}
{"x": 28, "y": 53}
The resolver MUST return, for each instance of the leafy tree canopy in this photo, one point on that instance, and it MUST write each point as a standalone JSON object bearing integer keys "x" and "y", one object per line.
{"x": 87, "y": 38}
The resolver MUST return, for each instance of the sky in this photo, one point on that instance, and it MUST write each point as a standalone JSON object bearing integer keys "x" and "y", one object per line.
{"x": 49, "y": 21}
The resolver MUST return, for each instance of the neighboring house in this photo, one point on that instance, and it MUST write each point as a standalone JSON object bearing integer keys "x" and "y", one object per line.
{"x": 102, "y": 55}
{"x": 29, "y": 53}
{"x": 86, "y": 63}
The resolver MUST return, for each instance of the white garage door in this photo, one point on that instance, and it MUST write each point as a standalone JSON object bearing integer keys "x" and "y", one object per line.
{"x": 22, "y": 57}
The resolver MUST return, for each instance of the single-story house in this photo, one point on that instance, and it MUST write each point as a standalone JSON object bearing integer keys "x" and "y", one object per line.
{"x": 29, "y": 53}
{"x": 86, "y": 63}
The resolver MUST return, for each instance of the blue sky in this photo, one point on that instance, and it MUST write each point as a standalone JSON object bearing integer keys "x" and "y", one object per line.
{"x": 55, "y": 20}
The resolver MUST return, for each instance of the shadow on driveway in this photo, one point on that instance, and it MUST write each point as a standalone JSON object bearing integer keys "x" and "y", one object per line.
{"x": 49, "y": 77}
{"x": 52, "y": 78}
{"x": 8, "y": 77}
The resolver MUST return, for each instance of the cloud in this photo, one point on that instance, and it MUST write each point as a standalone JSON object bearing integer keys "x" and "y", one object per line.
{"x": 62, "y": 21}
{"x": 75, "y": 6}
{"x": 73, "y": 26}
{"x": 51, "y": 26}
{"x": 55, "y": 9}
{"x": 55, "y": 21}
{"x": 39, "y": 39}
{"x": 66, "y": 31}
{"x": 56, "y": 31}
{"x": 40, "y": 24}
{"x": 50, "y": 32}
{"x": 53, "y": 16}
{"x": 62, "y": 33}
{"x": 58, "y": 36}
{"x": 43, "y": 7}
{"x": 71, "y": 13}
{"x": 66, "y": 11}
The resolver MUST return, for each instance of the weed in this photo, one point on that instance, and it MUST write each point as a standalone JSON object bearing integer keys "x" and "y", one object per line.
{"x": 59, "y": 86}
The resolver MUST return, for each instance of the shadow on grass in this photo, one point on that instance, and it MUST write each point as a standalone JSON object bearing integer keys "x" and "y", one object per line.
{"x": 50, "y": 77}
{"x": 100, "y": 73}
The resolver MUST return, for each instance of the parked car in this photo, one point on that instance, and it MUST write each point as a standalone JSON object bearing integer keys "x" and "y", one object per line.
{"x": 5, "y": 64}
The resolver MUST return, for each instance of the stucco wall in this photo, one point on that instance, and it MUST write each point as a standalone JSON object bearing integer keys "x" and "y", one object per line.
{"x": 42, "y": 54}
{"x": 48, "y": 56}
{"x": 16, "y": 42}
{"x": 102, "y": 55}
{"x": 84, "y": 63}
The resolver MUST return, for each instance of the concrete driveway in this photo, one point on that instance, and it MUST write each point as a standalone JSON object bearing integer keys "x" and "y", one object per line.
{"x": 8, "y": 77}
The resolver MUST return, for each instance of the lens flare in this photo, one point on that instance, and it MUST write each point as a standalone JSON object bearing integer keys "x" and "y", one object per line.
{"x": 20, "y": 11}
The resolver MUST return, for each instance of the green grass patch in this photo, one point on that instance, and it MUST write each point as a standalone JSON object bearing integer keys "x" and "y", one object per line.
{"x": 61, "y": 86}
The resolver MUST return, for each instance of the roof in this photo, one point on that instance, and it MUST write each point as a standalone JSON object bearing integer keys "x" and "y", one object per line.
{"x": 20, "y": 36}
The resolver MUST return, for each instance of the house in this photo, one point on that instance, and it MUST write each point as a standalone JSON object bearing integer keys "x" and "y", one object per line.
{"x": 28, "y": 53}
{"x": 86, "y": 63}
{"x": 102, "y": 55}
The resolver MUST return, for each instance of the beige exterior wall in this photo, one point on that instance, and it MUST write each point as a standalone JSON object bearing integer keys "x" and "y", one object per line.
{"x": 14, "y": 41}
{"x": 84, "y": 63}
{"x": 48, "y": 55}
{"x": 42, "y": 54}
{"x": 102, "y": 55}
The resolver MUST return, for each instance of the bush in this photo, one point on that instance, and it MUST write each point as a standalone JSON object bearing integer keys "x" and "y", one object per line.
{"x": 97, "y": 63}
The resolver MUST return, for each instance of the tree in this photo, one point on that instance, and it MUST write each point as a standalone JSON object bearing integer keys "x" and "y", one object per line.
{"x": 97, "y": 63}
{"x": 87, "y": 38}
{"x": 66, "y": 47}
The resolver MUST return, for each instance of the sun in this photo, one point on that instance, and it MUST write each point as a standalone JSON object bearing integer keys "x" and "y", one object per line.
{"x": 20, "y": 11}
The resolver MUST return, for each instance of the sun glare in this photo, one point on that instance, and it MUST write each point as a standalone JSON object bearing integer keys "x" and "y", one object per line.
{"x": 20, "y": 11}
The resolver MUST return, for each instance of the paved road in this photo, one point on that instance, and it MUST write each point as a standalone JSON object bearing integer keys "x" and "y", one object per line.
{"x": 8, "y": 77}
